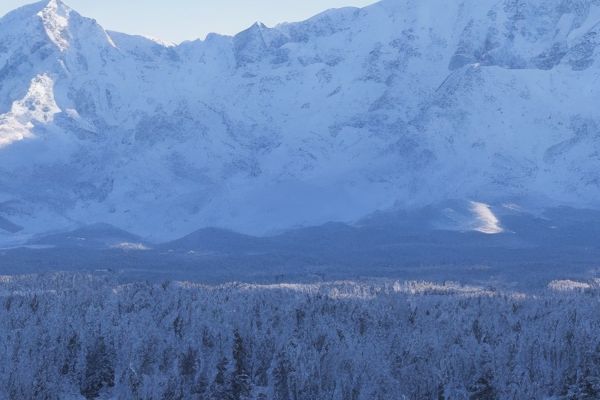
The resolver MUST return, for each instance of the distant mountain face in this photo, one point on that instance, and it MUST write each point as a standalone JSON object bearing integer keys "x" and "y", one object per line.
{"x": 401, "y": 105}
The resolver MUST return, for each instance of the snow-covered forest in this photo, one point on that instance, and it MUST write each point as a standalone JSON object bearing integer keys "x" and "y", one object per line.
{"x": 67, "y": 336}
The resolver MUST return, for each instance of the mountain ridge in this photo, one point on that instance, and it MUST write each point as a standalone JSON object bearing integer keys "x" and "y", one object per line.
{"x": 392, "y": 106}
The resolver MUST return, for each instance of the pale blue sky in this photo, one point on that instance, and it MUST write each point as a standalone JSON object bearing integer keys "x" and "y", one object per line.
{"x": 178, "y": 20}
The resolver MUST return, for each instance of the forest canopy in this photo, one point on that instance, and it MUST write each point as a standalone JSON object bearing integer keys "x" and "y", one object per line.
{"x": 83, "y": 336}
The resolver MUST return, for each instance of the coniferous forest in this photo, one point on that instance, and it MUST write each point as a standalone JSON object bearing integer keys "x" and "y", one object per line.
{"x": 74, "y": 336}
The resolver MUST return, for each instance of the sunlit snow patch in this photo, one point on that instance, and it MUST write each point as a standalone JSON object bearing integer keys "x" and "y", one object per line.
{"x": 568, "y": 285}
{"x": 130, "y": 246}
{"x": 37, "y": 106}
{"x": 487, "y": 222}
{"x": 469, "y": 216}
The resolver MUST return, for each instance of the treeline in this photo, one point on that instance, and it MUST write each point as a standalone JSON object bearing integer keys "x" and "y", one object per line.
{"x": 75, "y": 336}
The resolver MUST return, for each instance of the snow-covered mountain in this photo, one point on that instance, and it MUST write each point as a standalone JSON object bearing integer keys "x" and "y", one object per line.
{"x": 398, "y": 105}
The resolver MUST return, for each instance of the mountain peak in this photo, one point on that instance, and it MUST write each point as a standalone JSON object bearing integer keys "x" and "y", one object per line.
{"x": 55, "y": 17}
{"x": 254, "y": 30}
{"x": 54, "y": 4}
{"x": 258, "y": 26}
{"x": 51, "y": 8}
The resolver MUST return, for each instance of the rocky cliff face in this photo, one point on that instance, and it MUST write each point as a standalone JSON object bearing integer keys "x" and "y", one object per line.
{"x": 401, "y": 104}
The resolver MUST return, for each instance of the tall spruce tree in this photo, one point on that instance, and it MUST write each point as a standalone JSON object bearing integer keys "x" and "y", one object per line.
{"x": 240, "y": 382}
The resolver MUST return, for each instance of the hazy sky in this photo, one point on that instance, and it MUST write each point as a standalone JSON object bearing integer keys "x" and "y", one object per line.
{"x": 178, "y": 20}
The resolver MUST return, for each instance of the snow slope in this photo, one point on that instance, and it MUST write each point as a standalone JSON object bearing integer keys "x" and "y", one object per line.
{"x": 398, "y": 105}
